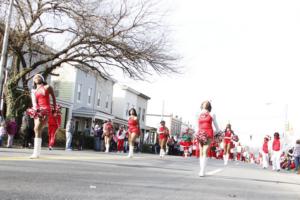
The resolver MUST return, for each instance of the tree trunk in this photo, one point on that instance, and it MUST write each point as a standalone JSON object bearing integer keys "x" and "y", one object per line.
{"x": 17, "y": 101}
{"x": 10, "y": 99}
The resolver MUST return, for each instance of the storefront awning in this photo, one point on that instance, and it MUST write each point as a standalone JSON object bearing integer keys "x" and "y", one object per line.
{"x": 120, "y": 121}
{"x": 90, "y": 113}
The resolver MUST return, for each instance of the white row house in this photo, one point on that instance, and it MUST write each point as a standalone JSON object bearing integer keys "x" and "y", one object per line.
{"x": 90, "y": 98}
{"x": 89, "y": 94}
{"x": 125, "y": 98}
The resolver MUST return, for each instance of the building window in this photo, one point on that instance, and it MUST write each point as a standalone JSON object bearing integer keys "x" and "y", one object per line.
{"x": 127, "y": 110}
{"x": 98, "y": 99}
{"x": 139, "y": 113}
{"x": 56, "y": 88}
{"x": 89, "y": 95}
{"x": 143, "y": 115}
{"x": 107, "y": 102}
{"x": 79, "y": 92}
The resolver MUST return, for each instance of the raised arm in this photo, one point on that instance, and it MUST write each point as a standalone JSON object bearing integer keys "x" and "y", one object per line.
{"x": 33, "y": 99}
{"x": 215, "y": 123}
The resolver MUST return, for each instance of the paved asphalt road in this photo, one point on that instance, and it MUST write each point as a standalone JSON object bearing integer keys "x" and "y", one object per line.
{"x": 93, "y": 175}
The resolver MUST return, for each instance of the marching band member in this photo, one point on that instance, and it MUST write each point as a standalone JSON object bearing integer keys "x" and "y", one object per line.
{"x": 133, "y": 130}
{"x": 205, "y": 133}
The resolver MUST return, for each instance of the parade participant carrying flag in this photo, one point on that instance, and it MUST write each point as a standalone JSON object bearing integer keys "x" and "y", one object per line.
{"x": 163, "y": 134}
{"x": 205, "y": 133}
{"x": 41, "y": 109}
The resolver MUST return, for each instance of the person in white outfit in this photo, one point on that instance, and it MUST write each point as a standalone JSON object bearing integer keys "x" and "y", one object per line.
{"x": 276, "y": 150}
{"x": 70, "y": 127}
{"x": 205, "y": 133}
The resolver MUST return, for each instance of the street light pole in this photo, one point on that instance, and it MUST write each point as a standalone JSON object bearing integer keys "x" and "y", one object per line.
{"x": 4, "y": 50}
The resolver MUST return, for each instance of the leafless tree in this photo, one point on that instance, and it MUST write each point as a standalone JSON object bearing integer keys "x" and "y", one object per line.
{"x": 98, "y": 34}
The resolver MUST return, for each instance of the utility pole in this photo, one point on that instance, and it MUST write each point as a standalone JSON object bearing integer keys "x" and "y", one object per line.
{"x": 4, "y": 51}
{"x": 163, "y": 110}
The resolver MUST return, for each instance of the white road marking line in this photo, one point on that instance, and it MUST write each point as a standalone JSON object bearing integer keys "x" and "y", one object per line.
{"x": 214, "y": 172}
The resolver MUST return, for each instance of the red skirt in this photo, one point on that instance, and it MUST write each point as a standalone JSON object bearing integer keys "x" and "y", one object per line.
{"x": 163, "y": 136}
{"x": 135, "y": 130}
{"x": 185, "y": 143}
{"x": 40, "y": 113}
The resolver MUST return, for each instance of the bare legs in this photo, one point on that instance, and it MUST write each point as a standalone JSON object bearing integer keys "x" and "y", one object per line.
{"x": 226, "y": 153}
{"x": 131, "y": 140}
{"x": 162, "y": 144}
{"x": 107, "y": 143}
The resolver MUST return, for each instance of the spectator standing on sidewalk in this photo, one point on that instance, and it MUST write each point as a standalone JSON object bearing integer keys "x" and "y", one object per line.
{"x": 11, "y": 128}
{"x": 297, "y": 156}
{"x": 27, "y": 130}
{"x": 97, "y": 137}
{"x": 69, "y": 133}
{"x": 2, "y": 131}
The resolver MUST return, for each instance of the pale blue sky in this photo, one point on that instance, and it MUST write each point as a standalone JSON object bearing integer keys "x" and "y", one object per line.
{"x": 241, "y": 55}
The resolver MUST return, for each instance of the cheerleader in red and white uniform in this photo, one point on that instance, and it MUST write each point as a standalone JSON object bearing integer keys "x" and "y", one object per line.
{"x": 133, "y": 130}
{"x": 108, "y": 134}
{"x": 41, "y": 110}
{"x": 265, "y": 152}
{"x": 163, "y": 134}
{"x": 276, "y": 147}
{"x": 227, "y": 143}
{"x": 205, "y": 133}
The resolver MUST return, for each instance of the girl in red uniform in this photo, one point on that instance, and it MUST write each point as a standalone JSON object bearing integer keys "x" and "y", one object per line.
{"x": 265, "y": 152}
{"x": 41, "y": 109}
{"x": 276, "y": 147}
{"x": 205, "y": 133}
{"x": 107, "y": 133}
{"x": 163, "y": 133}
{"x": 133, "y": 130}
{"x": 227, "y": 143}
{"x": 121, "y": 136}
{"x": 54, "y": 122}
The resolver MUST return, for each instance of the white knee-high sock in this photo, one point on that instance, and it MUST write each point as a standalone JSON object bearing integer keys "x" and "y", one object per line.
{"x": 37, "y": 148}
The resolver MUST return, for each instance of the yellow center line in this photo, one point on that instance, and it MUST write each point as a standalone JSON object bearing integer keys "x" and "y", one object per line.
{"x": 24, "y": 158}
